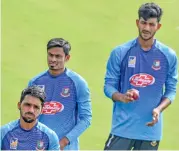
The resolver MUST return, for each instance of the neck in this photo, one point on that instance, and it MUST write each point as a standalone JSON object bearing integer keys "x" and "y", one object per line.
{"x": 27, "y": 126}
{"x": 146, "y": 45}
{"x": 56, "y": 72}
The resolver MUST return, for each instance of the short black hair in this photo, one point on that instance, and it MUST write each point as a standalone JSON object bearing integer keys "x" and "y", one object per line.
{"x": 35, "y": 91}
{"x": 150, "y": 10}
{"x": 59, "y": 42}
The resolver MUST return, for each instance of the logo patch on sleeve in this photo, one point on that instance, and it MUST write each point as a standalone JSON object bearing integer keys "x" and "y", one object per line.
{"x": 132, "y": 61}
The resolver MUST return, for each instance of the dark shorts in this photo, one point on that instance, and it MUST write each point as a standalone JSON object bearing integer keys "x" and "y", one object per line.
{"x": 119, "y": 143}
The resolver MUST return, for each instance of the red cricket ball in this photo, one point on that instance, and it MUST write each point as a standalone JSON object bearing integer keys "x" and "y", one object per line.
{"x": 135, "y": 94}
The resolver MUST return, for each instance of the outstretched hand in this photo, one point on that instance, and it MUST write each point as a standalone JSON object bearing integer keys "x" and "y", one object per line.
{"x": 155, "y": 114}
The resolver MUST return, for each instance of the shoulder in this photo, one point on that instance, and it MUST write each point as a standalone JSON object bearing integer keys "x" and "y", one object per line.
{"x": 121, "y": 50}
{"x": 38, "y": 76}
{"x": 75, "y": 77}
{"x": 125, "y": 46}
{"x": 166, "y": 50}
{"x": 9, "y": 127}
{"x": 49, "y": 132}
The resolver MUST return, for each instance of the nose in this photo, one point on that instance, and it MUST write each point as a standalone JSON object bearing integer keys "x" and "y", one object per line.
{"x": 53, "y": 58}
{"x": 31, "y": 109}
{"x": 146, "y": 27}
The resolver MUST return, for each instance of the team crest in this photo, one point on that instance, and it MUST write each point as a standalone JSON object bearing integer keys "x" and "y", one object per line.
{"x": 65, "y": 92}
{"x": 132, "y": 61}
{"x": 13, "y": 143}
{"x": 40, "y": 146}
{"x": 153, "y": 143}
{"x": 156, "y": 65}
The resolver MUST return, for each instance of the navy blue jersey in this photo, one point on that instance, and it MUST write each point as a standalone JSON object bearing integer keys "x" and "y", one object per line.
{"x": 67, "y": 109}
{"x": 153, "y": 73}
{"x": 40, "y": 137}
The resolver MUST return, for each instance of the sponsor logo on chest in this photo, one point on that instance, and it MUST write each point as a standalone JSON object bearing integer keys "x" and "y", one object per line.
{"x": 141, "y": 80}
{"x": 52, "y": 107}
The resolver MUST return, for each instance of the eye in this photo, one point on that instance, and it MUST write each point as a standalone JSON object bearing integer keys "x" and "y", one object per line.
{"x": 51, "y": 55}
{"x": 58, "y": 56}
{"x": 27, "y": 104}
{"x": 143, "y": 22}
{"x": 152, "y": 24}
{"x": 36, "y": 107}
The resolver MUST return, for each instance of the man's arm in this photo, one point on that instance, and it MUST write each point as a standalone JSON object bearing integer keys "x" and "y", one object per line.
{"x": 54, "y": 142}
{"x": 84, "y": 110}
{"x": 172, "y": 78}
{"x": 170, "y": 89}
{"x": 112, "y": 76}
{"x": 156, "y": 112}
{"x": 112, "y": 79}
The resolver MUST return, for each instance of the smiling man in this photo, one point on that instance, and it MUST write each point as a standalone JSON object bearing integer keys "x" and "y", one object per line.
{"x": 27, "y": 133}
{"x": 146, "y": 65}
{"x": 67, "y": 109}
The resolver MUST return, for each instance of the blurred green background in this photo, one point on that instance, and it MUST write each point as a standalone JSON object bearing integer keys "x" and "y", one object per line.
{"x": 93, "y": 28}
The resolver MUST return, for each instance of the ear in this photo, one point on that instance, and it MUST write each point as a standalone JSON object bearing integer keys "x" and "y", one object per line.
{"x": 137, "y": 22}
{"x": 40, "y": 112}
{"x": 158, "y": 26}
{"x": 67, "y": 58}
{"x": 19, "y": 105}
{"x": 41, "y": 109}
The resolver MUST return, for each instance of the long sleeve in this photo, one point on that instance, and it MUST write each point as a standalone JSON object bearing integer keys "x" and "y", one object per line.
{"x": 112, "y": 76}
{"x": 84, "y": 110}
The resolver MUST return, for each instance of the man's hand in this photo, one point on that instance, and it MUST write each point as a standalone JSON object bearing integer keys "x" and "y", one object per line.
{"x": 155, "y": 114}
{"x": 127, "y": 97}
{"x": 63, "y": 142}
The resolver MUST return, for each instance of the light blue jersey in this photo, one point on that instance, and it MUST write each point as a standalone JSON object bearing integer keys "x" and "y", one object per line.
{"x": 40, "y": 137}
{"x": 153, "y": 73}
{"x": 67, "y": 109}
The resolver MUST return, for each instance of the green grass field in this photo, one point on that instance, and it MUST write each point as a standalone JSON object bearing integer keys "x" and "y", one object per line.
{"x": 93, "y": 28}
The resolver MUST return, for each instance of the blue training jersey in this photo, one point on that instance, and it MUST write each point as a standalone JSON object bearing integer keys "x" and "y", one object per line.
{"x": 153, "y": 73}
{"x": 67, "y": 109}
{"x": 40, "y": 137}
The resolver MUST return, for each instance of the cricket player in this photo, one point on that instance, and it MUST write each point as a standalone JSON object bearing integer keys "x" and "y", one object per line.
{"x": 67, "y": 109}
{"x": 149, "y": 67}
{"x": 27, "y": 133}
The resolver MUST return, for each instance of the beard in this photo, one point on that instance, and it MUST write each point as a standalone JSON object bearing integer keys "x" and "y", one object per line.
{"x": 26, "y": 119}
{"x": 56, "y": 68}
{"x": 53, "y": 68}
{"x": 146, "y": 39}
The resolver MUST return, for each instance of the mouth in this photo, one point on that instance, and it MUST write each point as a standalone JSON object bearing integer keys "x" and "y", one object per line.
{"x": 52, "y": 64}
{"x": 29, "y": 115}
{"x": 146, "y": 32}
